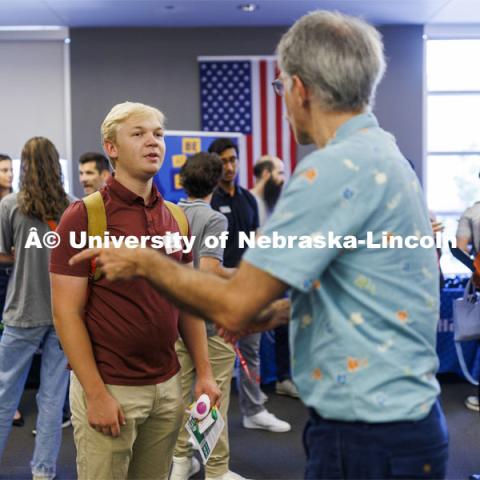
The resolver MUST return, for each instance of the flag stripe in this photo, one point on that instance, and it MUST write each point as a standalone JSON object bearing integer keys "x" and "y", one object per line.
{"x": 256, "y": 125}
{"x": 286, "y": 145}
{"x": 250, "y": 161}
{"x": 263, "y": 107}
{"x": 279, "y": 124}
{"x": 242, "y": 147}
{"x": 293, "y": 151}
{"x": 271, "y": 112}
{"x": 279, "y": 116}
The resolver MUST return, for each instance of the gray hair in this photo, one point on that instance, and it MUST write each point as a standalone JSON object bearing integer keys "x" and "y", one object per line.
{"x": 339, "y": 57}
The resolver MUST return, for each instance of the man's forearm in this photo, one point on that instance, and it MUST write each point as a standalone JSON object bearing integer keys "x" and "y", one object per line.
{"x": 194, "y": 335}
{"x": 463, "y": 244}
{"x": 211, "y": 297}
{"x": 76, "y": 343}
{"x": 230, "y": 303}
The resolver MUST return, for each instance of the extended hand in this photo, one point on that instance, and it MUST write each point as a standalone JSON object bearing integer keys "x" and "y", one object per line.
{"x": 116, "y": 263}
{"x": 232, "y": 337}
{"x": 105, "y": 414}
{"x": 276, "y": 314}
{"x": 437, "y": 226}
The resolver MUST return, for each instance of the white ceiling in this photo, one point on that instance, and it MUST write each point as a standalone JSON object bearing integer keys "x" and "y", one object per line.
{"x": 204, "y": 13}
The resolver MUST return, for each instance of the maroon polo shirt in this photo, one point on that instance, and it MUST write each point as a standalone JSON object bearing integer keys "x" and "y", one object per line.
{"x": 132, "y": 327}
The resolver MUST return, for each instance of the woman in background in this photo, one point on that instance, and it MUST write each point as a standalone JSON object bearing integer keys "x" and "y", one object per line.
{"x": 27, "y": 317}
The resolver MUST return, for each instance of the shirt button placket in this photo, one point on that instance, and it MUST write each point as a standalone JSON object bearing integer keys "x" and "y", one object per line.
{"x": 150, "y": 223}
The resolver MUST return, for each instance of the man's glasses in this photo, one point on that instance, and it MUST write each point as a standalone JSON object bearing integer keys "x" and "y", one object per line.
{"x": 278, "y": 87}
{"x": 233, "y": 159}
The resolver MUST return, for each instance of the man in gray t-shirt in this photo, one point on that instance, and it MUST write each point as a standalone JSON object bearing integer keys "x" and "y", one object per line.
{"x": 205, "y": 222}
{"x": 199, "y": 176}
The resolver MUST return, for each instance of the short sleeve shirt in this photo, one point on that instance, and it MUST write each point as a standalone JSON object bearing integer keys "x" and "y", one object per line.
{"x": 205, "y": 223}
{"x": 242, "y": 214}
{"x": 132, "y": 327}
{"x": 364, "y": 320}
{"x": 469, "y": 226}
{"x": 27, "y": 302}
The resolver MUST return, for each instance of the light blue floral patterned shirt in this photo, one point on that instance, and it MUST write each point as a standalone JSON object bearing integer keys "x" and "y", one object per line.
{"x": 363, "y": 324}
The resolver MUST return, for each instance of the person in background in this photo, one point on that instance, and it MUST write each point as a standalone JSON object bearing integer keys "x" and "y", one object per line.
{"x": 93, "y": 171}
{"x": 269, "y": 180}
{"x": 468, "y": 230}
{"x": 6, "y": 175}
{"x": 6, "y": 180}
{"x": 468, "y": 240}
{"x": 240, "y": 208}
{"x": 269, "y": 175}
{"x": 27, "y": 317}
{"x": 199, "y": 176}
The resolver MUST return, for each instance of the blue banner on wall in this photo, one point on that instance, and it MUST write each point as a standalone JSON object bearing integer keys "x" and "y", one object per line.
{"x": 179, "y": 145}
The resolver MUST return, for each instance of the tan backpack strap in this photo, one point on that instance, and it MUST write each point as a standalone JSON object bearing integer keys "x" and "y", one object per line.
{"x": 179, "y": 216}
{"x": 97, "y": 224}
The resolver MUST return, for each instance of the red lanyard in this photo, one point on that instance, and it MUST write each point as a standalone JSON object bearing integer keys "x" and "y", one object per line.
{"x": 243, "y": 364}
{"x": 52, "y": 224}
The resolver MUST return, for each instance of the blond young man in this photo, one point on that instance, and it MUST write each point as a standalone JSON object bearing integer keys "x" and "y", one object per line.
{"x": 119, "y": 337}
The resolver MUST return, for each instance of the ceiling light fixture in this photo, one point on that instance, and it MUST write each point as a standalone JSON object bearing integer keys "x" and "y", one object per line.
{"x": 30, "y": 28}
{"x": 248, "y": 7}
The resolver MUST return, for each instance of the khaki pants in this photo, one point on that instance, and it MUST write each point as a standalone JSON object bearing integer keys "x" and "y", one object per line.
{"x": 222, "y": 359}
{"x": 145, "y": 446}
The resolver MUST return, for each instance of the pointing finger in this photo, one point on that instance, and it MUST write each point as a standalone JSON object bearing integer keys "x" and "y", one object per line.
{"x": 85, "y": 255}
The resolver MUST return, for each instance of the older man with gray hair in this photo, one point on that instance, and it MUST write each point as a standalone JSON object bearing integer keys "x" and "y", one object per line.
{"x": 363, "y": 319}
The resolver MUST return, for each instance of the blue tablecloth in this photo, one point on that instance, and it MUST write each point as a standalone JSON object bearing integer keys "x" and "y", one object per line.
{"x": 445, "y": 344}
{"x": 268, "y": 364}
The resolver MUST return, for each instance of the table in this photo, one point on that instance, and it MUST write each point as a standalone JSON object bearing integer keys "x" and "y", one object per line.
{"x": 445, "y": 344}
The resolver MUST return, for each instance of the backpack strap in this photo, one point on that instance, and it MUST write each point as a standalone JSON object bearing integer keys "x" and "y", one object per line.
{"x": 97, "y": 225}
{"x": 97, "y": 222}
{"x": 179, "y": 215}
{"x": 463, "y": 364}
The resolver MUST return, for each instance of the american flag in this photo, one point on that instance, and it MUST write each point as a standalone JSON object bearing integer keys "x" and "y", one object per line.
{"x": 237, "y": 96}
